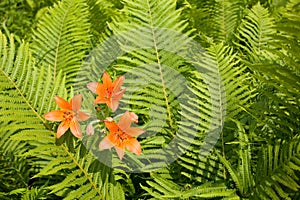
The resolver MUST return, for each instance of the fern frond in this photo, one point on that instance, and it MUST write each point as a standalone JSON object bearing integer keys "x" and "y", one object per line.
{"x": 142, "y": 48}
{"x": 277, "y": 170}
{"x": 85, "y": 177}
{"x": 255, "y": 33}
{"x": 62, "y": 38}
{"x": 161, "y": 188}
{"x": 240, "y": 172}
{"x": 102, "y": 12}
{"x": 234, "y": 77}
{"x": 26, "y": 94}
{"x": 277, "y": 173}
{"x": 279, "y": 99}
{"x": 235, "y": 99}
{"x": 23, "y": 109}
{"x": 164, "y": 88}
{"x": 14, "y": 169}
{"x": 228, "y": 15}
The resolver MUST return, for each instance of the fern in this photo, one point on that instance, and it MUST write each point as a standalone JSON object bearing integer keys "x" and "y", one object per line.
{"x": 227, "y": 15}
{"x": 221, "y": 118}
{"x": 27, "y": 112}
{"x": 254, "y": 34}
{"x": 278, "y": 168}
{"x": 280, "y": 93}
{"x": 102, "y": 11}
{"x": 21, "y": 84}
{"x": 150, "y": 45}
{"x": 149, "y": 59}
{"x": 166, "y": 189}
{"x": 62, "y": 38}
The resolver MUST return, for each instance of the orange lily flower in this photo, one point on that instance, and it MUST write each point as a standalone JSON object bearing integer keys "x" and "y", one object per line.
{"x": 122, "y": 136}
{"x": 109, "y": 92}
{"x": 134, "y": 117}
{"x": 69, "y": 115}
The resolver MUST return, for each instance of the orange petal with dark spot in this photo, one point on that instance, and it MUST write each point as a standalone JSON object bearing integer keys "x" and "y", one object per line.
{"x": 112, "y": 126}
{"x": 106, "y": 80}
{"x": 55, "y": 115}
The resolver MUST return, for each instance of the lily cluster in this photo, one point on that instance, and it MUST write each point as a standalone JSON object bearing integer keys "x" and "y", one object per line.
{"x": 121, "y": 134}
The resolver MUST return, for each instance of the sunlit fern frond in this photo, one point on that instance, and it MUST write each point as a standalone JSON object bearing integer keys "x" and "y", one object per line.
{"x": 227, "y": 18}
{"x": 255, "y": 33}
{"x": 61, "y": 39}
{"x": 82, "y": 175}
{"x": 236, "y": 98}
{"x": 26, "y": 94}
{"x": 166, "y": 82}
{"x": 158, "y": 72}
{"x": 235, "y": 79}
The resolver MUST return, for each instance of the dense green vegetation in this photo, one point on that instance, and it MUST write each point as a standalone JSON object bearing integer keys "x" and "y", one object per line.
{"x": 215, "y": 83}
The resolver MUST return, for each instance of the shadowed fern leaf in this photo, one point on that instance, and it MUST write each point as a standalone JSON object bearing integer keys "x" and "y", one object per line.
{"x": 277, "y": 172}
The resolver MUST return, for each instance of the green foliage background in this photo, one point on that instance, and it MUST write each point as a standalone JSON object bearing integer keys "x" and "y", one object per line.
{"x": 253, "y": 45}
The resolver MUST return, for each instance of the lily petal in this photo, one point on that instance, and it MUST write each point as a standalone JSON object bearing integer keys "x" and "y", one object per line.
{"x": 62, "y": 128}
{"x": 125, "y": 121}
{"x": 90, "y": 129}
{"x": 100, "y": 99}
{"x": 93, "y": 86}
{"x": 120, "y": 152}
{"x": 134, "y": 117}
{"x": 134, "y": 131}
{"x": 63, "y": 104}
{"x": 101, "y": 90}
{"x": 75, "y": 128}
{"x": 106, "y": 80}
{"x": 113, "y": 105}
{"x": 82, "y": 116}
{"x": 112, "y": 126}
{"x": 118, "y": 83}
{"x": 76, "y": 102}
{"x": 134, "y": 146}
{"x": 55, "y": 115}
{"x": 118, "y": 95}
{"x": 105, "y": 144}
